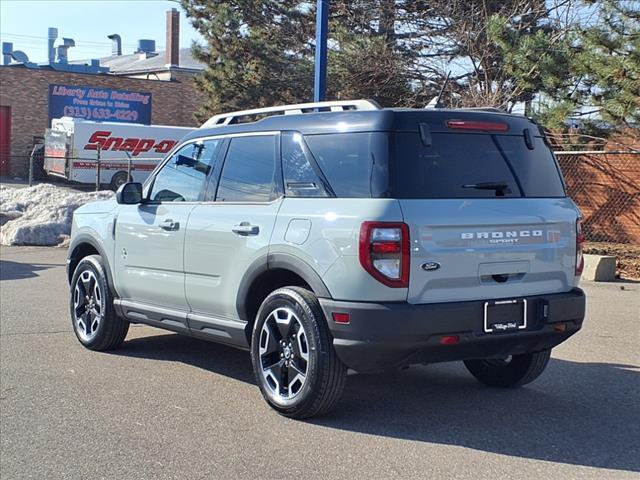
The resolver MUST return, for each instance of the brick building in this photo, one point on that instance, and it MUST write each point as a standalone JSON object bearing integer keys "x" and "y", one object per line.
{"x": 25, "y": 93}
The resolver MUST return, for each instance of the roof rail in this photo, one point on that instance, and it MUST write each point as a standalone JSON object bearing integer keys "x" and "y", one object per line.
{"x": 335, "y": 106}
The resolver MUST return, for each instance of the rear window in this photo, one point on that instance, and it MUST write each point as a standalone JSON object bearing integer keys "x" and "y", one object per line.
{"x": 472, "y": 165}
{"x": 536, "y": 169}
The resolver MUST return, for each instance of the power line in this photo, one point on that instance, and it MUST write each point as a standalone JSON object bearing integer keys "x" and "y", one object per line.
{"x": 85, "y": 42}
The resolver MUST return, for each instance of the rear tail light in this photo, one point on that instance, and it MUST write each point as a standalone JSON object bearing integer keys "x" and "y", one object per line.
{"x": 474, "y": 125}
{"x": 384, "y": 252}
{"x": 579, "y": 243}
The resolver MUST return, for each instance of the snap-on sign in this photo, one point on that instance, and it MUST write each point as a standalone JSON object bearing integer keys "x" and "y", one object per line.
{"x": 104, "y": 140}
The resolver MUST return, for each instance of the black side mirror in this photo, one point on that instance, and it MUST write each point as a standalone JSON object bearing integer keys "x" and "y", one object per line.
{"x": 129, "y": 194}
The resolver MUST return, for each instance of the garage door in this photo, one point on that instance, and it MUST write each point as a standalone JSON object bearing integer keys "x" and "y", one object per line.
{"x": 5, "y": 139}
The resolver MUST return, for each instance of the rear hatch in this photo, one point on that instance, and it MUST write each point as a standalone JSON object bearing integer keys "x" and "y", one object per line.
{"x": 486, "y": 208}
{"x": 56, "y": 150}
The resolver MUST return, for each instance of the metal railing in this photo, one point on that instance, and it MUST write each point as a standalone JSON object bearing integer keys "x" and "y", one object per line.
{"x": 35, "y": 173}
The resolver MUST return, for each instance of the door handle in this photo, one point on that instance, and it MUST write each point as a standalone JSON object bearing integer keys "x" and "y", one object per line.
{"x": 245, "y": 228}
{"x": 170, "y": 225}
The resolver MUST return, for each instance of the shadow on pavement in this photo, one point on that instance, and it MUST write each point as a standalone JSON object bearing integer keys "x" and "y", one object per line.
{"x": 18, "y": 270}
{"x": 216, "y": 358}
{"x": 575, "y": 413}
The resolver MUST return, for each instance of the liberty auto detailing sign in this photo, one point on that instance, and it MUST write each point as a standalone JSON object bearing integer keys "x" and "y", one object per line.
{"x": 99, "y": 104}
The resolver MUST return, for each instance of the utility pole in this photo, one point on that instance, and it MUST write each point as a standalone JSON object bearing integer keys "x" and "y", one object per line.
{"x": 322, "y": 27}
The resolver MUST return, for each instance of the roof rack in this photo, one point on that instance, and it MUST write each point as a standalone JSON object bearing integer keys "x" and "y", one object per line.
{"x": 336, "y": 106}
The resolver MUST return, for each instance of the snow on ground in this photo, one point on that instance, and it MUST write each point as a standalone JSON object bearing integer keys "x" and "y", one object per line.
{"x": 40, "y": 215}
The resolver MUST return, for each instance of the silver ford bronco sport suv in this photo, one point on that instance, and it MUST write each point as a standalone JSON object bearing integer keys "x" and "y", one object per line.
{"x": 339, "y": 235}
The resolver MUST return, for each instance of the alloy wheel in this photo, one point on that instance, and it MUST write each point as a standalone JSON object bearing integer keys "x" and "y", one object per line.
{"x": 284, "y": 354}
{"x": 87, "y": 305}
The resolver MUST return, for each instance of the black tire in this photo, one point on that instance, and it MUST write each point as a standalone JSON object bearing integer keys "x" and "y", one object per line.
{"x": 118, "y": 179}
{"x": 107, "y": 331}
{"x": 517, "y": 371}
{"x": 325, "y": 375}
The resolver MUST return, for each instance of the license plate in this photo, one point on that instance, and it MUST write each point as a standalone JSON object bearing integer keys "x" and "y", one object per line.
{"x": 505, "y": 315}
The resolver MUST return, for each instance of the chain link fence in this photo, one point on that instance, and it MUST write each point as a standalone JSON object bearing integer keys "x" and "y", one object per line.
{"x": 603, "y": 178}
{"x": 81, "y": 173}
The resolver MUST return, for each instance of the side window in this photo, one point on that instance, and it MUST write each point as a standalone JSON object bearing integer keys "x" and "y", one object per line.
{"x": 182, "y": 178}
{"x": 300, "y": 178}
{"x": 248, "y": 174}
{"x": 355, "y": 164}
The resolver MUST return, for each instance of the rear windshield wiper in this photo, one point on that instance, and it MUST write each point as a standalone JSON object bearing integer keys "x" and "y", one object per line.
{"x": 500, "y": 187}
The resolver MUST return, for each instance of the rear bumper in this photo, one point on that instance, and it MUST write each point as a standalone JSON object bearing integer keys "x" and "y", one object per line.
{"x": 387, "y": 335}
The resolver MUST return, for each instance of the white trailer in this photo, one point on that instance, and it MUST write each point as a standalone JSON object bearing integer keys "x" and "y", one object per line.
{"x": 73, "y": 147}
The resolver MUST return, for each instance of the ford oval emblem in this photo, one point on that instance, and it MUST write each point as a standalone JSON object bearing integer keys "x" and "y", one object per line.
{"x": 430, "y": 266}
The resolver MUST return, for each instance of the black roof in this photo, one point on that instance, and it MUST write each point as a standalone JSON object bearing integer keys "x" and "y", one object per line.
{"x": 385, "y": 119}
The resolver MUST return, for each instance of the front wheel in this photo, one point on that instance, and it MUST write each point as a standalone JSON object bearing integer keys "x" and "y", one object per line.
{"x": 294, "y": 363}
{"x": 94, "y": 321}
{"x": 511, "y": 371}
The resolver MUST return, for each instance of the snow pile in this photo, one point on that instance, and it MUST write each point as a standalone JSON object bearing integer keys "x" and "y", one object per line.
{"x": 40, "y": 215}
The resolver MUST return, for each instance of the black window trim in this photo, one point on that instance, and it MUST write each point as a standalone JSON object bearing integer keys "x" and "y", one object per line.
{"x": 214, "y": 178}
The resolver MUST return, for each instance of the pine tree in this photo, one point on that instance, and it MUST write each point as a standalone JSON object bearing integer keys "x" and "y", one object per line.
{"x": 373, "y": 53}
{"x": 500, "y": 53}
{"x": 257, "y": 53}
{"x": 604, "y": 68}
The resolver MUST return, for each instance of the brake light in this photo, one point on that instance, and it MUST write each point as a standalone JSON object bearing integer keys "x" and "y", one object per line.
{"x": 475, "y": 125}
{"x": 384, "y": 252}
{"x": 579, "y": 243}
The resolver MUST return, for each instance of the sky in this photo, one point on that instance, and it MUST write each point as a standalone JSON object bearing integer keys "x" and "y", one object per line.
{"x": 88, "y": 22}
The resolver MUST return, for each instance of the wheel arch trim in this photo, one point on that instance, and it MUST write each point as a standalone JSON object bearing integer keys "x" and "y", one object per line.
{"x": 273, "y": 261}
{"x": 85, "y": 238}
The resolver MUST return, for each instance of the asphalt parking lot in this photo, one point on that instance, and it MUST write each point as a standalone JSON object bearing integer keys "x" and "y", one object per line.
{"x": 166, "y": 406}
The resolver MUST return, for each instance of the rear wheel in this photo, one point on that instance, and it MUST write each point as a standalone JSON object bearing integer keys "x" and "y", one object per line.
{"x": 118, "y": 180}
{"x": 512, "y": 371}
{"x": 294, "y": 363}
{"x": 93, "y": 318}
